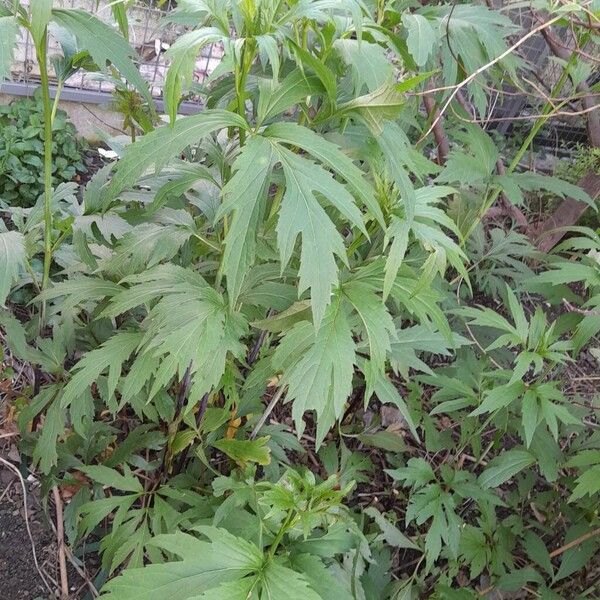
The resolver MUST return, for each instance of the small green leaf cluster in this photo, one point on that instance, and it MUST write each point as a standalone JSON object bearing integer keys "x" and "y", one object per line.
{"x": 286, "y": 543}
{"x": 22, "y": 151}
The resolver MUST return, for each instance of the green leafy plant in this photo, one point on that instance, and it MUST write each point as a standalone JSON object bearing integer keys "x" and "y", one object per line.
{"x": 252, "y": 298}
{"x": 585, "y": 160}
{"x": 299, "y": 529}
{"x": 22, "y": 151}
{"x": 97, "y": 37}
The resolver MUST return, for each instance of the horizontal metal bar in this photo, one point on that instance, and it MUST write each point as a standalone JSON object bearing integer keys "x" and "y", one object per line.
{"x": 19, "y": 88}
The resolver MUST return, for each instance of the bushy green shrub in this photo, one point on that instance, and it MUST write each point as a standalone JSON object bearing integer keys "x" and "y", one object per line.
{"x": 284, "y": 356}
{"x": 22, "y": 151}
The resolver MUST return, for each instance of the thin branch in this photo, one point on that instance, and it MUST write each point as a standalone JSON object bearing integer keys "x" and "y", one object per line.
{"x": 580, "y": 23}
{"x": 181, "y": 398}
{"x": 84, "y": 106}
{"x": 558, "y": 47}
{"x": 518, "y": 93}
{"x": 441, "y": 138}
{"x": 201, "y": 410}
{"x": 472, "y": 336}
{"x": 81, "y": 572}
{"x": 184, "y": 389}
{"x": 513, "y": 211}
{"x": 507, "y": 207}
{"x": 60, "y": 538}
{"x": 555, "y": 553}
{"x": 581, "y": 311}
{"x": 263, "y": 419}
{"x": 553, "y": 228}
{"x": 95, "y": 593}
{"x": 589, "y": 108}
{"x": 256, "y": 349}
{"x": 485, "y": 67}
{"x": 558, "y": 113}
{"x": 199, "y": 418}
{"x": 6, "y": 490}
{"x": 575, "y": 542}
{"x": 466, "y": 106}
{"x": 253, "y": 355}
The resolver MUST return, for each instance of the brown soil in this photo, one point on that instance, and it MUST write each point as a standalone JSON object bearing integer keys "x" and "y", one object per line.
{"x": 19, "y": 578}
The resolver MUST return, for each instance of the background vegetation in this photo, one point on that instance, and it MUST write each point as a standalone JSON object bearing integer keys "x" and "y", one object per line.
{"x": 22, "y": 151}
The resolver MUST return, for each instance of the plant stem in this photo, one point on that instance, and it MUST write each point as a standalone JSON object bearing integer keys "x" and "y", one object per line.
{"x": 275, "y": 207}
{"x": 546, "y": 114}
{"x": 34, "y": 280}
{"x": 284, "y": 527}
{"x": 59, "y": 87}
{"x": 241, "y": 74}
{"x": 60, "y": 538}
{"x": 240, "y": 84}
{"x": 208, "y": 243}
{"x": 48, "y": 109}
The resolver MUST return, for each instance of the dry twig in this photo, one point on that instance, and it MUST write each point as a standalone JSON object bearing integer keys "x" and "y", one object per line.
{"x": 268, "y": 411}
{"x": 466, "y": 81}
{"x": 16, "y": 471}
{"x": 60, "y": 538}
{"x": 441, "y": 138}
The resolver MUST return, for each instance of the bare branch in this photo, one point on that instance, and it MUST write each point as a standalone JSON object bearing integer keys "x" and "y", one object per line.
{"x": 587, "y": 102}
{"x": 485, "y": 67}
{"x": 443, "y": 146}
{"x": 60, "y": 540}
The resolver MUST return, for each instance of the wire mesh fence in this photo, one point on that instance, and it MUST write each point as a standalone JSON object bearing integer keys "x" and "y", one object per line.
{"x": 150, "y": 34}
{"x": 513, "y": 109}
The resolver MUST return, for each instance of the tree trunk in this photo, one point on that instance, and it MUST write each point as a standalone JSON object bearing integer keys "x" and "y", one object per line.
{"x": 545, "y": 234}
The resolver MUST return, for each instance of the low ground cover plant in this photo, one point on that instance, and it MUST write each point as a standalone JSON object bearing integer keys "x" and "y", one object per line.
{"x": 22, "y": 151}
